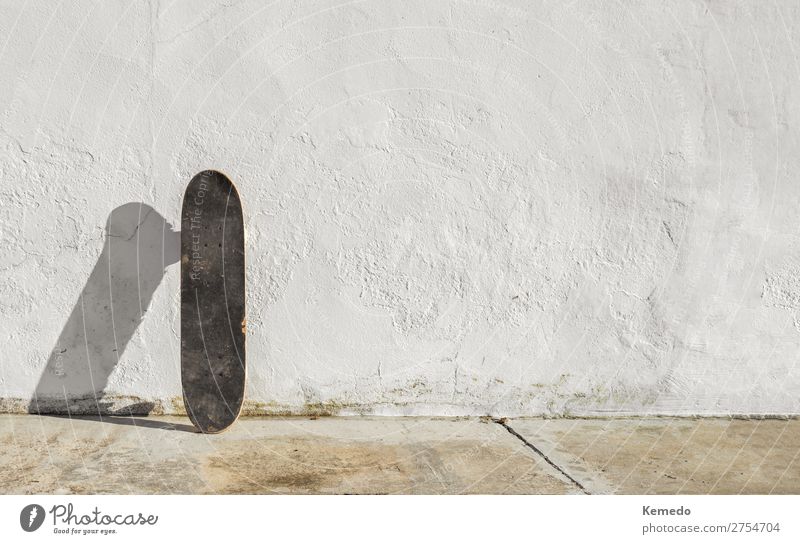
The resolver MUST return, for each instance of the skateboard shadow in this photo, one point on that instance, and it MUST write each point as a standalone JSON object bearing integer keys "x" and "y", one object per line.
{"x": 132, "y": 421}
{"x": 139, "y": 245}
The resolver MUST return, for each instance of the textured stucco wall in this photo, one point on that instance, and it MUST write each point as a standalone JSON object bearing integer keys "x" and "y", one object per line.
{"x": 453, "y": 207}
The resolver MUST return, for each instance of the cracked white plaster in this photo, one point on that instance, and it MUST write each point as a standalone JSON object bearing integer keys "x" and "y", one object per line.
{"x": 452, "y": 208}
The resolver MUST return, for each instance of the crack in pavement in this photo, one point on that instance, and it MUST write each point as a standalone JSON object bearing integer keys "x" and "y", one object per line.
{"x": 502, "y": 422}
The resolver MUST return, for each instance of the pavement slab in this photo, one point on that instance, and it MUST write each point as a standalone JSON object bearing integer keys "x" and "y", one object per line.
{"x": 671, "y": 455}
{"x": 163, "y": 455}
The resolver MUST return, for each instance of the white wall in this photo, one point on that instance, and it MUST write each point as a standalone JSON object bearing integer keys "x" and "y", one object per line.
{"x": 459, "y": 207}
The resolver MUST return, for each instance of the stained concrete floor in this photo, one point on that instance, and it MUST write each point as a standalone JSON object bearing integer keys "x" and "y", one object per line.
{"x": 40, "y": 454}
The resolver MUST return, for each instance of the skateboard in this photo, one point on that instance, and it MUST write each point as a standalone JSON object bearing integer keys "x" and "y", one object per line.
{"x": 213, "y": 323}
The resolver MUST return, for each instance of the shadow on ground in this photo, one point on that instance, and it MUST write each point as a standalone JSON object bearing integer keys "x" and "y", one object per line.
{"x": 131, "y": 421}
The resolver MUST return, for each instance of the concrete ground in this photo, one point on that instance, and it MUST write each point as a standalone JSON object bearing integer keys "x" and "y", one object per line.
{"x": 120, "y": 455}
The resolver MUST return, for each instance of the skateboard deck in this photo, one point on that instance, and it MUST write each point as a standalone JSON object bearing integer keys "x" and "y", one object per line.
{"x": 213, "y": 365}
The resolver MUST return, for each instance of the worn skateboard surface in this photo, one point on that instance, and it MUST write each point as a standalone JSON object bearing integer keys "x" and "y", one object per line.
{"x": 212, "y": 302}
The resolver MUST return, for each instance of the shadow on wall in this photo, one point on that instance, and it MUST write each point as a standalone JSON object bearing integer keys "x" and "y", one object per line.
{"x": 139, "y": 245}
